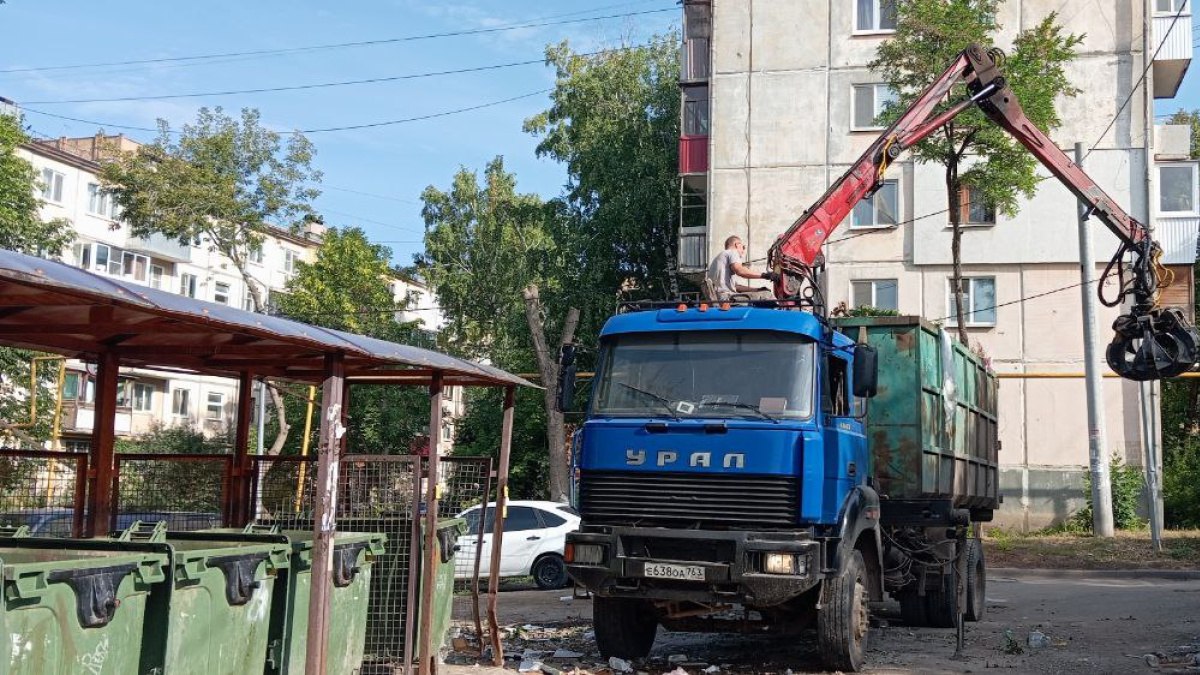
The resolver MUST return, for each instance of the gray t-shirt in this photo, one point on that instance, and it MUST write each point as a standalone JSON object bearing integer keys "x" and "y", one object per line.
{"x": 720, "y": 271}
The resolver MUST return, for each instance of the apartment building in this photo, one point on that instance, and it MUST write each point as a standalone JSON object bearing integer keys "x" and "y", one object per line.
{"x": 778, "y": 101}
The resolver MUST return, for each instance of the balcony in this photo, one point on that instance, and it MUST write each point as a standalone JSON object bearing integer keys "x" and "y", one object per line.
{"x": 1175, "y": 54}
{"x": 693, "y": 154}
{"x": 161, "y": 246}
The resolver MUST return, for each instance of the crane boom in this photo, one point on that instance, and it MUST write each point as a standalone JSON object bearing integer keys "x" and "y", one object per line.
{"x": 1150, "y": 342}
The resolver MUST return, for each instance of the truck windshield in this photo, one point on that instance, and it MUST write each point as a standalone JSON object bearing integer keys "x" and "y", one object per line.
{"x": 755, "y": 374}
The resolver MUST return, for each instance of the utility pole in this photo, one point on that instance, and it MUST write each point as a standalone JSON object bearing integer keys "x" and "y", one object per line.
{"x": 1102, "y": 513}
{"x": 1150, "y": 440}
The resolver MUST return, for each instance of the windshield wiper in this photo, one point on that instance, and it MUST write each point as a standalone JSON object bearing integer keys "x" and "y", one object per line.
{"x": 666, "y": 402}
{"x": 741, "y": 406}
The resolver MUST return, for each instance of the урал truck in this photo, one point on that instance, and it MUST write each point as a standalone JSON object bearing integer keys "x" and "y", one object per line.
{"x": 758, "y": 466}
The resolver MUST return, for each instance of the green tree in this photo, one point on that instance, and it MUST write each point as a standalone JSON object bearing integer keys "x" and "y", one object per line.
{"x": 23, "y": 230}
{"x": 489, "y": 254}
{"x": 220, "y": 181}
{"x": 347, "y": 288}
{"x": 973, "y": 151}
{"x": 614, "y": 122}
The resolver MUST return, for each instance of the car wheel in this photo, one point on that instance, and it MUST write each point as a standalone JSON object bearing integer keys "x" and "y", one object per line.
{"x": 550, "y": 572}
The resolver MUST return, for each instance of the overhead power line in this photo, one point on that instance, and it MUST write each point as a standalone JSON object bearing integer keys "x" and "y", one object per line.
{"x": 341, "y": 45}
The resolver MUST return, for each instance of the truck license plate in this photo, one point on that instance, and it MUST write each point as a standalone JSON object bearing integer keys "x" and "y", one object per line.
{"x": 680, "y": 572}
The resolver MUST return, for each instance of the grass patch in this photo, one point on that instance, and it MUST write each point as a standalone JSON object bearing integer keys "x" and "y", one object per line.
{"x": 1067, "y": 549}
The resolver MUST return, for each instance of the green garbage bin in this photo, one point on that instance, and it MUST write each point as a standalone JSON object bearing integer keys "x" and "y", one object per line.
{"x": 215, "y": 618}
{"x": 73, "y": 606}
{"x": 353, "y": 556}
{"x": 448, "y": 532}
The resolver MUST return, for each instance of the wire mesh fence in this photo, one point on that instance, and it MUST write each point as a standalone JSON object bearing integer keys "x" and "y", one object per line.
{"x": 44, "y": 491}
{"x": 189, "y": 492}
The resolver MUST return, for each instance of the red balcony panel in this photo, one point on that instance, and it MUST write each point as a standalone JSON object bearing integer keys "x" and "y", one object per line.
{"x": 693, "y": 154}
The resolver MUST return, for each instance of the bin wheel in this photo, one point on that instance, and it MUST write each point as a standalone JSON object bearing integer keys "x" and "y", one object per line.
{"x": 844, "y": 618}
{"x": 550, "y": 572}
{"x": 625, "y": 627}
{"x": 976, "y": 581}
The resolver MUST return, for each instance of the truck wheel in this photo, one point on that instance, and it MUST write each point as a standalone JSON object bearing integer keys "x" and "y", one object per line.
{"x": 940, "y": 610}
{"x": 844, "y": 618}
{"x": 550, "y": 572}
{"x": 976, "y": 581}
{"x": 625, "y": 627}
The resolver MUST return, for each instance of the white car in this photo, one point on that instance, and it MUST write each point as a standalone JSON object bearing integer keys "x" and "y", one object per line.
{"x": 534, "y": 535}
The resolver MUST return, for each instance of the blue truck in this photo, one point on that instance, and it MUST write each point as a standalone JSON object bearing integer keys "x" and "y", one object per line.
{"x": 746, "y": 468}
{"x": 755, "y": 465}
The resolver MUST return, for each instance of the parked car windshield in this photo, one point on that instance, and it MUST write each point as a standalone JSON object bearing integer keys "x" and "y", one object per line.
{"x": 753, "y": 374}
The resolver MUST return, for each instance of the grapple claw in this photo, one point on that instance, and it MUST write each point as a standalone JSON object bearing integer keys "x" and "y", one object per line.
{"x": 1153, "y": 345}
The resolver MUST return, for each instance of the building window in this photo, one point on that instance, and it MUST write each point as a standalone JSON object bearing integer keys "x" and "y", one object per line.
{"x": 877, "y": 293}
{"x": 447, "y": 433}
{"x": 695, "y": 111}
{"x": 221, "y": 292}
{"x": 215, "y": 406}
{"x": 974, "y": 207}
{"x": 697, "y": 33}
{"x": 181, "y": 403}
{"x": 156, "y": 276}
{"x": 875, "y": 16}
{"x": 870, "y": 100}
{"x": 248, "y": 301}
{"x": 1177, "y": 189}
{"x": 143, "y": 397}
{"x": 880, "y": 209}
{"x": 187, "y": 284}
{"x": 979, "y": 301}
{"x": 124, "y": 392}
{"x": 1169, "y": 6}
{"x": 255, "y": 254}
{"x": 289, "y": 260}
{"x": 52, "y": 185}
{"x": 135, "y": 266}
{"x": 100, "y": 203}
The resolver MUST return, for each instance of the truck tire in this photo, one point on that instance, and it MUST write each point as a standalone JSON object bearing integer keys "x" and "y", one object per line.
{"x": 976, "y": 581}
{"x": 625, "y": 627}
{"x": 940, "y": 609}
{"x": 844, "y": 618}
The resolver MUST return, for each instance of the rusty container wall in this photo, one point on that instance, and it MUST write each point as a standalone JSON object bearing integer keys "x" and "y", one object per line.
{"x": 930, "y": 441}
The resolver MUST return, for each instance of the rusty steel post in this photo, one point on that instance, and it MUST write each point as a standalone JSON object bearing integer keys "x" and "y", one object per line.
{"x": 487, "y": 497}
{"x": 498, "y": 524}
{"x": 239, "y": 510}
{"x": 100, "y": 494}
{"x": 325, "y": 518}
{"x": 429, "y": 558}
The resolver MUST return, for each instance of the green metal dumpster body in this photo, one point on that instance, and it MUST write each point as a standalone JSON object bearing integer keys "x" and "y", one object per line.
{"x": 216, "y": 616}
{"x": 448, "y": 532}
{"x": 353, "y": 556}
{"x": 75, "y": 610}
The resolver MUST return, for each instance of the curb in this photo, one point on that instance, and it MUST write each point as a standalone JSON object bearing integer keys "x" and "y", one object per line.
{"x": 1027, "y": 573}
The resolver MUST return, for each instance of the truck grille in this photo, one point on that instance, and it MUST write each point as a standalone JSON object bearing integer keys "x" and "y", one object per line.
{"x": 707, "y": 500}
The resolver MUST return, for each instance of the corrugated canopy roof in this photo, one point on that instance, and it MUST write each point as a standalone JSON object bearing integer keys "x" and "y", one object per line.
{"x": 51, "y": 306}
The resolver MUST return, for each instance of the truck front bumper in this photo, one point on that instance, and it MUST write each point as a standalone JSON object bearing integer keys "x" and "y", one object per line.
{"x": 732, "y": 564}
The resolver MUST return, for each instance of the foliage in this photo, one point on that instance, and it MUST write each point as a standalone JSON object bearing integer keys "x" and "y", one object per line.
{"x": 21, "y": 226}
{"x": 614, "y": 122}
{"x": 172, "y": 485}
{"x": 347, "y": 288}
{"x": 221, "y": 181}
{"x": 866, "y": 310}
{"x": 478, "y": 435}
{"x": 1127, "y": 483}
{"x": 974, "y": 151}
{"x": 23, "y": 230}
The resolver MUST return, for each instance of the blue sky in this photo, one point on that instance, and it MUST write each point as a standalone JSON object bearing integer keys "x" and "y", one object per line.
{"x": 390, "y": 164}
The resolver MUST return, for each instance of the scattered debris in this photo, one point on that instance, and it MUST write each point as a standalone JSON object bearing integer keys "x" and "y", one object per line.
{"x": 677, "y": 658}
{"x": 566, "y": 598}
{"x": 1037, "y": 640}
{"x": 712, "y": 669}
{"x": 565, "y": 654}
{"x": 678, "y": 671}
{"x": 620, "y": 665}
{"x": 530, "y": 666}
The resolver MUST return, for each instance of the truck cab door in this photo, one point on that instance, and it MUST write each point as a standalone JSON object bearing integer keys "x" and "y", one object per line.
{"x": 844, "y": 441}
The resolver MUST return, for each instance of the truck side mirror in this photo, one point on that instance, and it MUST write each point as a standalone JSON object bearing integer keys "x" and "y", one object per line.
{"x": 866, "y": 370}
{"x": 566, "y": 379}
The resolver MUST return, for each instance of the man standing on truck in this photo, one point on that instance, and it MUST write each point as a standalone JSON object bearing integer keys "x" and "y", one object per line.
{"x": 727, "y": 264}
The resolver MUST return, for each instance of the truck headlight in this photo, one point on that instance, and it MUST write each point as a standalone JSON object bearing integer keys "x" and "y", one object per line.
{"x": 584, "y": 554}
{"x": 785, "y": 563}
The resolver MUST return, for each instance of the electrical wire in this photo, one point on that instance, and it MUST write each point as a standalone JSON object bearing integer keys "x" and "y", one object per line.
{"x": 341, "y": 45}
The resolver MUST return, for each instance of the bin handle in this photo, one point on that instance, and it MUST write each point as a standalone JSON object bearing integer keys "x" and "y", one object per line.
{"x": 345, "y": 563}
{"x": 95, "y": 591}
{"x": 239, "y": 575}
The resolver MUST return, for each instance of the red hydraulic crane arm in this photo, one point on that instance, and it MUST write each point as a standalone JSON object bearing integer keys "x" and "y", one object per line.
{"x": 798, "y": 247}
